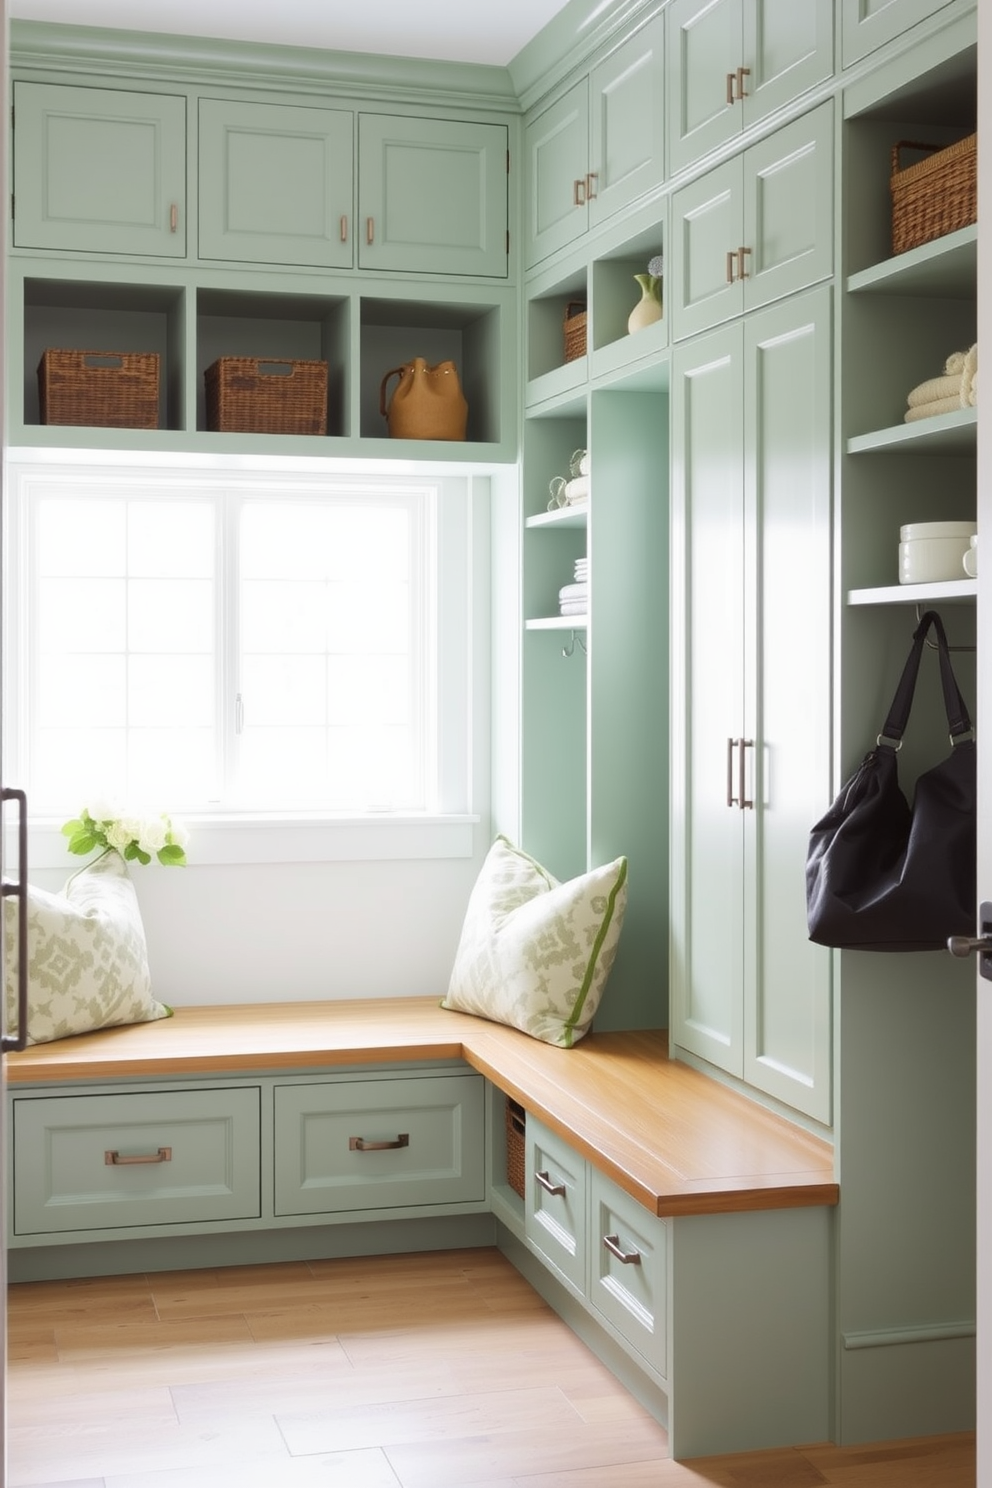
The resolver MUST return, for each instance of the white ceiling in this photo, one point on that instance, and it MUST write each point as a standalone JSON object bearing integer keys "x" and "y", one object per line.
{"x": 457, "y": 30}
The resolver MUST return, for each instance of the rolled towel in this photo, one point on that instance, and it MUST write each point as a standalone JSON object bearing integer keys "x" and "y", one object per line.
{"x": 936, "y": 387}
{"x": 577, "y": 489}
{"x": 969, "y": 387}
{"x": 955, "y": 362}
{"x": 931, "y": 410}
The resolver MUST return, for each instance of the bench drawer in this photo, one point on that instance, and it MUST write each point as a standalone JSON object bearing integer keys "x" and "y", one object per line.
{"x": 101, "y": 1162}
{"x": 399, "y": 1143}
{"x": 555, "y": 1203}
{"x": 628, "y": 1282}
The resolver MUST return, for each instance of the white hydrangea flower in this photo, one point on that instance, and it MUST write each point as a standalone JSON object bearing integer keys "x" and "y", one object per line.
{"x": 151, "y": 834}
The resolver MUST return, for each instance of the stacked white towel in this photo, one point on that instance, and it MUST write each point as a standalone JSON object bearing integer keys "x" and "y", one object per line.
{"x": 573, "y": 598}
{"x": 577, "y": 490}
{"x": 957, "y": 388}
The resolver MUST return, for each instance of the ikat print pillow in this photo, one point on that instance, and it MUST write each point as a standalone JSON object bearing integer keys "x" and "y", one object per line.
{"x": 87, "y": 955}
{"x": 536, "y": 953}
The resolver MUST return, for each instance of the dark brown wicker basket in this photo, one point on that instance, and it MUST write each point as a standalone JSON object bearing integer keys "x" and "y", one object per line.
{"x": 575, "y": 329}
{"x": 516, "y": 1131}
{"x": 99, "y": 389}
{"x": 935, "y": 196}
{"x": 259, "y": 395}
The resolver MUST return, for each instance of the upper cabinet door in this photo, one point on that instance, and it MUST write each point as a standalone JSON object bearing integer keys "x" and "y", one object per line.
{"x": 733, "y": 62}
{"x": 627, "y": 122}
{"x": 432, "y": 195}
{"x": 99, "y": 170}
{"x": 276, "y": 184}
{"x": 704, "y": 50}
{"x": 867, "y": 24}
{"x": 557, "y": 145}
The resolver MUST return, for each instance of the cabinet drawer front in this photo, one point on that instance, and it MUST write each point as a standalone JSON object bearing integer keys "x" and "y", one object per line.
{"x": 114, "y": 1161}
{"x": 100, "y": 171}
{"x": 379, "y": 1144}
{"x": 629, "y": 1270}
{"x": 555, "y": 1216}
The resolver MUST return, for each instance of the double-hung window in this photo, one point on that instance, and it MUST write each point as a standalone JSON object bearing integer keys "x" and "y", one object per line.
{"x": 267, "y": 645}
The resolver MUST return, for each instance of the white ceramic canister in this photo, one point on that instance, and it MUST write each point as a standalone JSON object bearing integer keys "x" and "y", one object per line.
{"x": 932, "y": 551}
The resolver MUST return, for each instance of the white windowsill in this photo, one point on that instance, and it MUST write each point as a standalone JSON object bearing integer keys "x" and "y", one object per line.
{"x": 239, "y": 840}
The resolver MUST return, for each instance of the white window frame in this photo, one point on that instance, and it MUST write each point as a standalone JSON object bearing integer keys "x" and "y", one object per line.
{"x": 462, "y": 623}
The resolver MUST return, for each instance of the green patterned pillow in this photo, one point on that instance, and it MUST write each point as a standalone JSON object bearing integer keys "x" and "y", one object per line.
{"x": 87, "y": 957}
{"x": 535, "y": 953}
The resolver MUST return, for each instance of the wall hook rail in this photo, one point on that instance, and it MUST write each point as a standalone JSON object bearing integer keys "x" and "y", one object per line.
{"x": 933, "y": 644}
{"x": 573, "y": 640}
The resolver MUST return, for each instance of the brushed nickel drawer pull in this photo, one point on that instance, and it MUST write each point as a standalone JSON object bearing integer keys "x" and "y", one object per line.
{"x": 592, "y": 181}
{"x": 578, "y": 193}
{"x": 359, "y": 1144}
{"x": 173, "y": 218}
{"x": 731, "y": 746}
{"x": 742, "y": 272}
{"x": 742, "y": 800}
{"x": 730, "y": 87}
{"x": 370, "y": 230}
{"x": 548, "y": 1184}
{"x": 344, "y": 229}
{"x": 627, "y": 1257}
{"x": 121, "y": 1160}
{"x": 742, "y": 73}
{"x": 731, "y": 260}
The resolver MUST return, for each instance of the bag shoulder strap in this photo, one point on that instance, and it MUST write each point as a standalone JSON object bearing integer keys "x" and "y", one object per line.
{"x": 958, "y": 720}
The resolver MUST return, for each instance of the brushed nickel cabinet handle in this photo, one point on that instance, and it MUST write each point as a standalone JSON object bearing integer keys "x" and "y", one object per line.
{"x": 742, "y": 73}
{"x": 741, "y": 254}
{"x": 343, "y": 225}
{"x": 122, "y": 1160}
{"x": 592, "y": 180}
{"x": 549, "y": 1185}
{"x": 742, "y": 800}
{"x": 370, "y": 230}
{"x": 173, "y": 218}
{"x": 731, "y": 260}
{"x": 578, "y": 193}
{"x": 730, "y": 87}
{"x": 731, "y": 746}
{"x": 359, "y": 1144}
{"x": 626, "y": 1257}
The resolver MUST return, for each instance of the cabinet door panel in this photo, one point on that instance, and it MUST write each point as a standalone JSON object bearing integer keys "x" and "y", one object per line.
{"x": 868, "y": 24}
{"x": 706, "y": 233}
{"x": 787, "y": 563}
{"x": 705, "y": 46}
{"x": 788, "y": 48}
{"x": 788, "y": 208}
{"x": 708, "y": 694}
{"x": 432, "y": 195}
{"x": 557, "y": 144}
{"x": 99, "y": 170}
{"x": 275, "y": 184}
{"x": 627, "y": 122}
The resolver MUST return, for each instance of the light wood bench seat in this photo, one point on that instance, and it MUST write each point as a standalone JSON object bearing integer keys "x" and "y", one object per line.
{"x": 678, "y": 1142}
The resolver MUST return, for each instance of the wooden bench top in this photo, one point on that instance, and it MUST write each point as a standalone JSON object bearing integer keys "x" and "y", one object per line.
{"x": 677, "y": 1141}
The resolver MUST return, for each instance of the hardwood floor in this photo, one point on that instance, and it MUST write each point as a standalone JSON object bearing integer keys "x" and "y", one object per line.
{"x": 433, "y": 1371}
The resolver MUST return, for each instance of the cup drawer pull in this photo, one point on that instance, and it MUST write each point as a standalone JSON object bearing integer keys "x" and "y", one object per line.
{"x": 627, "y": 1257}
{"x": 359, "y": 1144}
{"x": 549, "y": 1185}
{"x": 124, "y": 1160}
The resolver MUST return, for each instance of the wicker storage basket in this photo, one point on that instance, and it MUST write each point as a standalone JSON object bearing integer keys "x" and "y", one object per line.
{"x": 575, "y": 329}
{"x": 935, "y": 196}
{"x": 516, "y": 1130}
{"x": 99, "y": 389}
{"x": 259, "y": 395}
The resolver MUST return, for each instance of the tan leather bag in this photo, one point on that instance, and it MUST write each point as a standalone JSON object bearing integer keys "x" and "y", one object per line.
{"x": 426, "y": 403}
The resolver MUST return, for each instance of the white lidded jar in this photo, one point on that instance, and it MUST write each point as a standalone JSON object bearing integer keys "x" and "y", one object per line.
{"x": 930, "y": 552}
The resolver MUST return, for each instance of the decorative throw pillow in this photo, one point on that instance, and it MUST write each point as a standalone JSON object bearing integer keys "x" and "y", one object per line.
{"x": 87, "y": 956}
{"x": 535, "y": 953}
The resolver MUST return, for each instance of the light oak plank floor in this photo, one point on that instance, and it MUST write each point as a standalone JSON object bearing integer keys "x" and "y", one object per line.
{"x": 433, "y": 1371}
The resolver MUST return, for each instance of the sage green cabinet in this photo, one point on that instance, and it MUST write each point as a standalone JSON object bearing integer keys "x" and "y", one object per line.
{"x": 598, "y": 147}
{"x": 733, "y": 62}
{"x": 869, "y": 24}
{"x": 555, "y": 1204}
{"x": 750, "y": 695}
{"x": 99, "y": 170}
{"x": 432, "y": 195}
{"x": 756, "y": 228}
{"x": 275, "y": 184}
{"x": 399, "y": 1142}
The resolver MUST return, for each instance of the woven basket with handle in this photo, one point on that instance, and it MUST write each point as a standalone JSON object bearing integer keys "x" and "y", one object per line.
{"x": 934, "y": 196}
